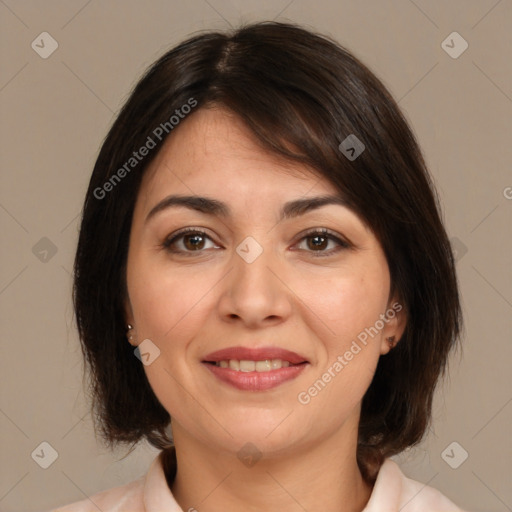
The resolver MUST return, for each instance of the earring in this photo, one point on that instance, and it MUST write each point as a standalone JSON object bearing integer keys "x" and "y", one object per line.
{"x": 129, "y": 333}
{"x": 391, "y": 342}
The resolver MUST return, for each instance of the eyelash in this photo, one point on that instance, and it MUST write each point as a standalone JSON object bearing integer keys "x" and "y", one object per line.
{"x": 323, "y": 232}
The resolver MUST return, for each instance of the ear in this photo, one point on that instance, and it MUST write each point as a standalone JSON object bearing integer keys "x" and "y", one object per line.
{"x": 395, "y": 320}
{"x": 128, "y": 315}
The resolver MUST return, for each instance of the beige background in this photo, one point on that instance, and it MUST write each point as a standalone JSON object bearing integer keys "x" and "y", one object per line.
{"x": 55, "y": 113}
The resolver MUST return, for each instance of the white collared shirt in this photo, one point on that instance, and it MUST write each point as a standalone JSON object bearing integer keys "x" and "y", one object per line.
{"x": 392, "y": 492}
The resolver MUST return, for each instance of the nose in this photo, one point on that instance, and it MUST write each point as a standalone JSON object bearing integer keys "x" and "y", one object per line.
{"x": 255, "y": 292}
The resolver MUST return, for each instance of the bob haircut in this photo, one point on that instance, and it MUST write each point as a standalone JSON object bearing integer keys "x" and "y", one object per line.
{"x": 301, "y": 94}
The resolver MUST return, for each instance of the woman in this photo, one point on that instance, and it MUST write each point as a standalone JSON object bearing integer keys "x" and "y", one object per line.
{"x": 264, "y": 289}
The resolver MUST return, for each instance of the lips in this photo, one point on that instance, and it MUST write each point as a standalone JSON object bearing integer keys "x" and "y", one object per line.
{"x": 255, "y": 380}
{"x": 254, "y": 354}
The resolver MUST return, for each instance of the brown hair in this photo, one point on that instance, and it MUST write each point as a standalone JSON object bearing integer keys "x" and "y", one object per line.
{"x": 301, "y": 94}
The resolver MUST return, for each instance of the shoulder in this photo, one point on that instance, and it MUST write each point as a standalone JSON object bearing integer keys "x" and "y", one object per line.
{"x": 150, "y": 492}
{"x": 125, "y": 498}
{"x": 394, "y": 491}
{"x": 416, "y": 496}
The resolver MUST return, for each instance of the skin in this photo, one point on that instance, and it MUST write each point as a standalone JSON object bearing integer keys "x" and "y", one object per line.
{"x": 190, "y": 306}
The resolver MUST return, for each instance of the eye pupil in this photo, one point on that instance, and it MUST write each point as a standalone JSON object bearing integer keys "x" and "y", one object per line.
{"x": 194, "y": 246}
{"x": 320, "y": 245}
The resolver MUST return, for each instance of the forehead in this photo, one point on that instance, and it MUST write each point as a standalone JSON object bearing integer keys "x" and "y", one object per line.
{"x": 213, "y": 151}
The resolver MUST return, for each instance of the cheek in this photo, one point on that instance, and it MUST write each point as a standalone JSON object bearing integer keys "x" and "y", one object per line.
{"x": 348, "y": 304}
{"x": 168, "y": 306}
{"x": 164, "y": 300}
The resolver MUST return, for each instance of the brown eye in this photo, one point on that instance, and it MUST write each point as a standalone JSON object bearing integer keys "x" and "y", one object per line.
{"x": 187, "y": 241}
{"x": 193, "y": 242}
{"x": 318, "y": 240}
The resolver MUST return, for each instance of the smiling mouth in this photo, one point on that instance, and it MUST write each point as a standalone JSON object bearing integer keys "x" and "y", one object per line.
{"x": 244, "y": 365}
{"x": 255, "y": 376}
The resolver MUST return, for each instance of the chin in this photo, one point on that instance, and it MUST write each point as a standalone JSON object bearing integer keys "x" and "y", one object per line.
{"x": 257, "y": 445}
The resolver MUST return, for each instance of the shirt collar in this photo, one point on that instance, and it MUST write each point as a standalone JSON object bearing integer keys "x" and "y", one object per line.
{"x": 157, "y": 494}
{"x": 386, "y": 491}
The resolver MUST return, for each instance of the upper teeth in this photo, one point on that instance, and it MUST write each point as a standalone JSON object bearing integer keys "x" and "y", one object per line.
{"x": 251, "y": 366}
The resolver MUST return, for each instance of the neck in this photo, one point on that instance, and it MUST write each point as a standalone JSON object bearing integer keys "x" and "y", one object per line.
{"x": 322, "y": 477}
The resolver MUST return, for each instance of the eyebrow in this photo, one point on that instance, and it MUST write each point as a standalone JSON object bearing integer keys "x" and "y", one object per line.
{"x": 217, "y": 208}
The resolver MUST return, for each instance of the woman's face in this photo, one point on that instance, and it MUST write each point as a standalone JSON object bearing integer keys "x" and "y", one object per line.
{"x": 254, "y": 280}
